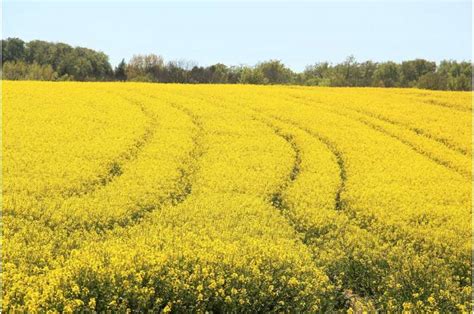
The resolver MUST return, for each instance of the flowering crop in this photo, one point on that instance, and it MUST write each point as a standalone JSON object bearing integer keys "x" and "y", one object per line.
{"x": 129, "y": 196}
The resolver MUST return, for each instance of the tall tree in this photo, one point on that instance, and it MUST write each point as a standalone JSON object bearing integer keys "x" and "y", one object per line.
{"x": 13, "y": 49}
{"x": 387, "y": 74}
{"x": 275, "y": 72}
{"x": 412, "y": 70}
{"x": 119, "y": 72}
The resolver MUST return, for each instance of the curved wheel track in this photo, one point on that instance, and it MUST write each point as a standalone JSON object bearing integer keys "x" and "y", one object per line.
{"x": 415, "y": 131}
{"x": 116, "y": 165}
{"x": 182, "y": 189}
{"x": 407, "y": 143}
{"x": 187, "y": 171}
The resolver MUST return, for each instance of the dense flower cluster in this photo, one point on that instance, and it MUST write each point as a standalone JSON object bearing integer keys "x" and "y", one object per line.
{"x": 175, "y": 198}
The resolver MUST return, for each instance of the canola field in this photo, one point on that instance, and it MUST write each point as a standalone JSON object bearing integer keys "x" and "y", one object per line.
{"x": 231, "y": 198}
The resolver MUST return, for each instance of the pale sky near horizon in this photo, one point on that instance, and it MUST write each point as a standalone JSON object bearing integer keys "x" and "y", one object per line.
{"x": 242, "y": 32}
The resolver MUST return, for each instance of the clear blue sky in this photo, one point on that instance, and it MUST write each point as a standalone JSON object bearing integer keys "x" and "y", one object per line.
{"x": 298, "y": 33}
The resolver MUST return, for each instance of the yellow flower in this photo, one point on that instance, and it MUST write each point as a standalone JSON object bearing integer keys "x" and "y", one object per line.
{"x": 92, "y": 304}
{"x": 141, "y": 193}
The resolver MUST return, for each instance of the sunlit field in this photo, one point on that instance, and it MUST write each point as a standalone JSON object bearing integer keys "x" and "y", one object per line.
{"x": 235, "y": 198}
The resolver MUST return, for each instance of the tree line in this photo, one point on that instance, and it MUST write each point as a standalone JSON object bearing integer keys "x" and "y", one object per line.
{"x": 41, "y": 60}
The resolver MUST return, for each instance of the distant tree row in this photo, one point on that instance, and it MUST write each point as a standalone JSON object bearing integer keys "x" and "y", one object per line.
{"x": 40, "y": 60}
{"x": 448, "y": 75}
{"x": 152, "y": 68}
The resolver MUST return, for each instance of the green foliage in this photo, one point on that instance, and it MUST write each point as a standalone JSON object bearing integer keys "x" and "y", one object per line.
{"x": 13, "y": 49}
{"x": 348, "y": 73}
{"x": 458, "y": 74}
{"x": 120, "y": 71}
{"x": 274, "y": 72}
{"x": 19, "y": 70}
{"x": 412, "y": 70}
{"x": 252, "y": 76}
{"x": 41, "y": 60}
{"x": 387, "y": 74}
{"x": 218, "y": 73}
{"x": 313, "y": 75}
{"x": 433, "y": 81}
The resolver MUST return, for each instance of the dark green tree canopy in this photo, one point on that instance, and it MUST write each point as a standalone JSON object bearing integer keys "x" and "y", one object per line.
{"x": 120, "y": 71}
{"x": 72, "y": 63}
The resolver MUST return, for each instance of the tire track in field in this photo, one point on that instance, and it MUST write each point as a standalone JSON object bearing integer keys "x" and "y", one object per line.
{"x": 439, "y": 161}
{"x": 373, "y": 228}
{"x": 351, "y": 216}
{"x": 276, "y": 198}
{"x": 307, "y": 234}
{"x": 420, "y": 96}
{"x": 339, "y": 202}
{"x": 101, "y": 231}
{"x": 352, "y": 294}
{"x": 437, "y": 103}
{"x": 416, "y": 149}
{"x": 187, "y": 171}
{"x": 181, "y": 191}
{"x": 416, "y": 131}
{"x": 114, "y": 170}
{"x": 407, "y": 143}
